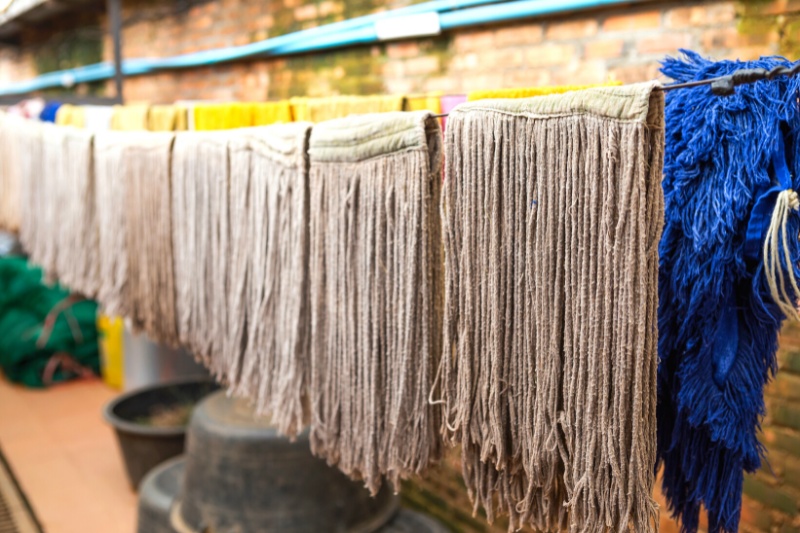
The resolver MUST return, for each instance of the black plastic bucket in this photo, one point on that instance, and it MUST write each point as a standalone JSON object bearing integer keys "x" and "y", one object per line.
{"x": 145, "y": 446}
{"x": 243, "y": 476}
{"x": 157, "y": 493}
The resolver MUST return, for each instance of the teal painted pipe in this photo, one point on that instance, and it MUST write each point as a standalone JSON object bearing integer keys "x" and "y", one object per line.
{"x": 453, "y": 14}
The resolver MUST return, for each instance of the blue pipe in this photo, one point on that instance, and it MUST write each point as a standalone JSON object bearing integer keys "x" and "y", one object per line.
{"x": 453, "y": 14}
{"x": 517, "y": 10}
{"x": 329, "y": 35}
{"x": 486, "y": 14}
{"x": 288, "y": 43}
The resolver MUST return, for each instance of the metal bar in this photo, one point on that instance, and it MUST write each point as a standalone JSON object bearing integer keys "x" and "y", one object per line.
{"x": 63, "y": 98}
{"x": 114, "y": 11}
{"x": 726, "y": 85}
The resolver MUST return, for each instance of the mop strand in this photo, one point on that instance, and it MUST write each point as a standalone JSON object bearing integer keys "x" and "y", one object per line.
{"x": 266, "y": 356}
{"x": 148, "y": 200}
{"x": 375, "y": 292}
{"x": 200, "y": 187}
{"x": 11, "y": 197}
{"x": 552, "y": 213}
{"x": 77, "y": 259}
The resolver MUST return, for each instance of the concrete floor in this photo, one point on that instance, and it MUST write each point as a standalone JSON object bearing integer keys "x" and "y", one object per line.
{"x": 65, "y": 457}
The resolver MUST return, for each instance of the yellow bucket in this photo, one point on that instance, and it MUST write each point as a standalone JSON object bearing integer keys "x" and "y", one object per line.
{"x": 112, "y": 362}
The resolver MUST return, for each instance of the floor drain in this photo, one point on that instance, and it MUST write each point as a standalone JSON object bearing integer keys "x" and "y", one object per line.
{"x": 16, "y": 515}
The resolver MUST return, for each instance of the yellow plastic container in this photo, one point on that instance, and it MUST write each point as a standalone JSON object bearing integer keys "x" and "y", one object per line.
{"x": 112, "y": 360}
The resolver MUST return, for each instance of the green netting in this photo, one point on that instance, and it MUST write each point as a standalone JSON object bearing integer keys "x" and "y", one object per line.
{"x": 46, "y": 335}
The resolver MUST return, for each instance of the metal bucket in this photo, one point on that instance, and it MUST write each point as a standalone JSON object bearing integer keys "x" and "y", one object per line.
{"x": 242, "y": 476}
{"x": 149, "y": 363}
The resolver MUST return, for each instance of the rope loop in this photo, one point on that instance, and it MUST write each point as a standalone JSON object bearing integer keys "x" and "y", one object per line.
{"x": 787, "y": 202}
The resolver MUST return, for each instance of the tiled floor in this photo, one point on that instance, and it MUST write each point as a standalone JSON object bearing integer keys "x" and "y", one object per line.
{"x": 65, "y": 457}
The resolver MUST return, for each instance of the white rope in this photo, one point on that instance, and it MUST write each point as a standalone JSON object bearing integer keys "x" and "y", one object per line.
{"x": 787, "y": 202}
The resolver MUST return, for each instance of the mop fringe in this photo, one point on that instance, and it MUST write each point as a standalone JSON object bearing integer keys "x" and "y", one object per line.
{"x": 27, "y": 139}
{"x": 44, "y": 252}
{"x": 376, "y": 294}
{"x": 10, "y": 199}
{"x": 240, "y": 237}
{"x": 148, "y": 238}
{"x": 201, "y": 240}
{"x": 266, "y": 354}
{"x": 727, "y": 279}
{"x": 552, "y": 212}
{"x": 132, "y": 201}
{"x": 110, "y": 210}
{"x": 75, "y": 229}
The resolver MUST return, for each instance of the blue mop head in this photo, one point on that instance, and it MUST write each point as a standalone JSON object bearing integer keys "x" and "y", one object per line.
{"x": 718, "y": 323}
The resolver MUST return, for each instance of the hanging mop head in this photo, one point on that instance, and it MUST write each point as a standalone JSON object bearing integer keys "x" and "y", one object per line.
{"x": 729, "y": 256}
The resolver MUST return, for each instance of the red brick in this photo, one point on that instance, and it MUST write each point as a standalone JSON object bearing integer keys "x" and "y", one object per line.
{"x": 394, "y": 69}
{"x": 786, "y": 386}
{"x": 773, "y": 497}
{"x": 467, "y": 42}
{"x": 306, "y": 12}
{"x": 399, "y": 86}
{"x": 519, "y": 35}
{"x": 204, "y": 22}
{"x": 503, "y": 58}
{"x": 719, "y": 38}
{"x": 574, "y": 29}
{"x": 731, "y": 38}
{"x": 330, "y": 8}
{"x": 464, "y": 62}
{"x": 195, "y": 11}
{"x": 546, "y": 55}
{"x": 265, "y": 21}
{"x": 604, "y": 49}
{"x": 479, "y": 82}
{"x": 747, "y": 53}
{"x": 639, "y": 21}
{"x": 707, "y": 15}
{"x": 581, "y": 73}
{"x": 402, "y": 49}
{"x": 788, "y": 358}
{"x": 664, "y": 44}
{"x": 338, "y": 72}
{"x": 775, "y": 7}
{"x": 755, "y": 514}
{"x": 634, "y": 73}
{"x": 422, "y": 65}
{"x": 446, "y": 84}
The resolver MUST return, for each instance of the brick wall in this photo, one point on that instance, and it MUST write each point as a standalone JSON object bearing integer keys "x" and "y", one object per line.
{"x": 591, "y": 46}
{"x": 772, "y": 500}
{"x": 588, "y": 47}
